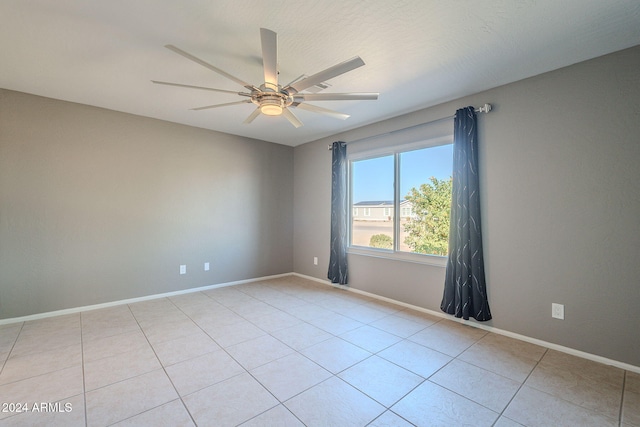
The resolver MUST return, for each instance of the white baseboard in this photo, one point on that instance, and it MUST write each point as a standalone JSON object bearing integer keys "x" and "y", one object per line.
{"x": 133, "y": 300}
{"x": 493, "y": 329}
{"x": 525, "y": 338}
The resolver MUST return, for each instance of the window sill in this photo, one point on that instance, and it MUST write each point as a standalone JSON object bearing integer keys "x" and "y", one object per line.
{"x": 432, "y": 260}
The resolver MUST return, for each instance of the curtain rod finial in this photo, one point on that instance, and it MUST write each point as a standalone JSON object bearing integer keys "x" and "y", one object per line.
{"x": 485, "y": 108}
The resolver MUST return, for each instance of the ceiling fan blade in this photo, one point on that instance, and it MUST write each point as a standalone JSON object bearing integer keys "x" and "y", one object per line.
{"x": 288, "y": 114}
{"x": 270, "y": 57}
{"x": 200, "y": 87}
{"x": 325, "y": 75}
{"x": 325, "y": 111}
{"x": 296, "y": 80}
{"x": 206, "y": 107}
{"x": 355, "y": 96}
{"x": 209, "y": 66}
{"x": 252, "y": 116}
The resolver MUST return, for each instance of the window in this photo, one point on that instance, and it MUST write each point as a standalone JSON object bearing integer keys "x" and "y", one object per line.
{"x": 407, "y": 194}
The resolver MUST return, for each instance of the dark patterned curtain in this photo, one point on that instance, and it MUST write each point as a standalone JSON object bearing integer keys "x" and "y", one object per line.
{"x": 338, "y": 257}
{"x": 465, "y": 290}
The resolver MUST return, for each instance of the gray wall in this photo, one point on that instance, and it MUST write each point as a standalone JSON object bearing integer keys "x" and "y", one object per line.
{"x": 560, "y": 205}
{"x": 99, "y": 206}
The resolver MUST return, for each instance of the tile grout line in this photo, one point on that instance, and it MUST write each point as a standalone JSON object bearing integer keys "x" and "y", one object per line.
{"x": 228, "y": 354}
{"x": 336, "y": 375}
{"x": 135, "y": 376}
{"x": 425, "y": 379}
{"x": 522, "y": 385}
{"x": 622, "y": 396}
{"x": 221, "y": 347}
{"x": 46, "y": 372}
{"x": 394, "y": 413}
{"x": 579, "y": 405}
{"x": 268, "y": 333}
{"x": 4, "y": 364}
{"x": 500, "y": 414}
{"x": 447, "y": 364}
{"x": 247, "y": 371}
{"x": 164, "y": 369}
{"x": 333, "y": 375}
{"x": 84, "y": 385}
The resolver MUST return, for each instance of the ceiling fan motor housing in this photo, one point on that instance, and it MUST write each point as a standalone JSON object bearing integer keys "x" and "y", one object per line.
{"x": 271, "y": 102}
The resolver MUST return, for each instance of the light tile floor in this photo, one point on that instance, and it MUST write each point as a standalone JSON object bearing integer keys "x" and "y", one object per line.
{"x": 291, "y": 352}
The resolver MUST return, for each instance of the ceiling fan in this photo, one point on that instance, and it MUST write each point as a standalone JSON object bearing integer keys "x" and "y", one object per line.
{"x": 270, "y": 97}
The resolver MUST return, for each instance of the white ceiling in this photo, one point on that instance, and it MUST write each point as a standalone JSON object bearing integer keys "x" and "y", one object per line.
{"x": 418, "y": 53}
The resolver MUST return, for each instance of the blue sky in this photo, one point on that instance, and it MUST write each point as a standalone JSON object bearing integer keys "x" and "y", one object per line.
{"x": 373, "y": 179}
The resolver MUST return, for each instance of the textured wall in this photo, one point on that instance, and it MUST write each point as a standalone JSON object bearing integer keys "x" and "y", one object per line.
{"x": 98, "y": 206}
{"x": 561, "y": 202}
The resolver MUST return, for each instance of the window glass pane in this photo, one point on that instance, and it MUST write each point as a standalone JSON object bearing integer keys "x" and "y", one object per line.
{"x": 372, "y": 193}
{"x": 425, "y": 202}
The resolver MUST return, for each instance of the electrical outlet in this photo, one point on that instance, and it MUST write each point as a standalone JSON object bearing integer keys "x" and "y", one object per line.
{"x": 206, "y": 266}
{"x": 557, "y": 311}
{"x": 183, "y": 269}
{"x": 315, "y": 260}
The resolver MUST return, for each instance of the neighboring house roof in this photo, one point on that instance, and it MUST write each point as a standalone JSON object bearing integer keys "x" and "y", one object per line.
{"x": 375, "y": 203}
{"x": 378, "y": 203}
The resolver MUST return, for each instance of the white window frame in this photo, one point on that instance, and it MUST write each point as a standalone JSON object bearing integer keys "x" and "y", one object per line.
{"x": 395, "y": 253}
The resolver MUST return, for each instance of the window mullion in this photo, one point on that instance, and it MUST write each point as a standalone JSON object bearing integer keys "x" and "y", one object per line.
{"x": 396, "y": 202}
{"x": 350, "y": 202}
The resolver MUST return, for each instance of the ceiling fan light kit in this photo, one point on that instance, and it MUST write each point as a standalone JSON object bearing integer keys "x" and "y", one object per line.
{"x": 270, "y": 102}
{"x": 272, "y": 99}
{"x": 271, "y": 107}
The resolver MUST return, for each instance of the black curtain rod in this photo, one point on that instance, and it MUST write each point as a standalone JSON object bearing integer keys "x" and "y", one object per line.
{"x": 484, "y": 109}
